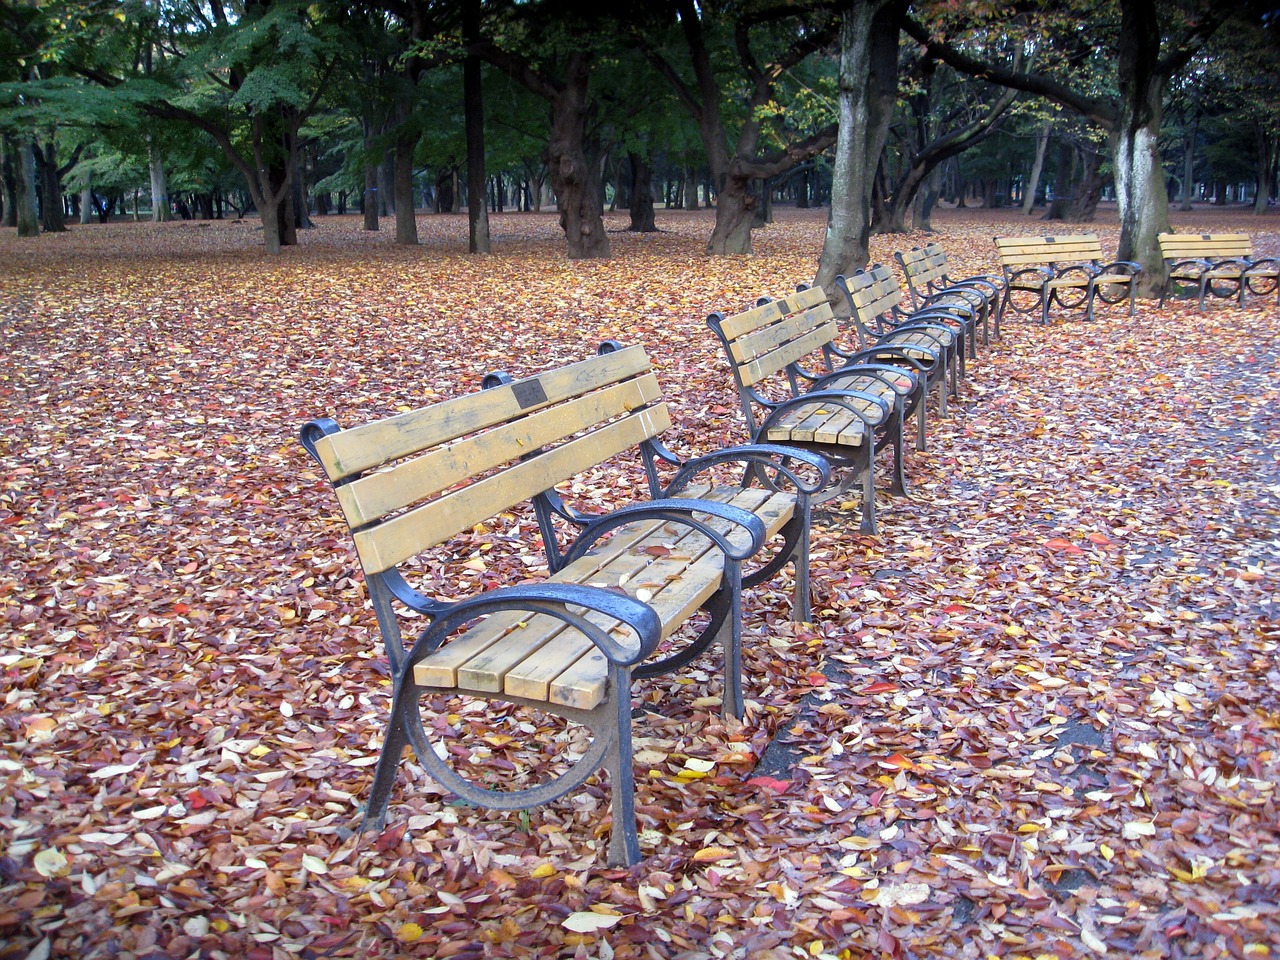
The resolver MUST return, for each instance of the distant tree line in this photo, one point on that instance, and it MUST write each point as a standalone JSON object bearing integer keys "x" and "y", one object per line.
{"x": 286, "y": 110}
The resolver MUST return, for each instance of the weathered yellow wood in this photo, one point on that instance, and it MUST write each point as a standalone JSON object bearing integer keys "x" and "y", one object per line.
{"x": 771, "y": 363}
{"x": 375, "y": 496}
{"x": 362, "y": 448}
{"x": 1206, "y": 246}
{"x": 399, "y": 538}
{"x": 768, "y": 337}
{"x": 1028, "y": 251}
{"x": 748, "y": 320}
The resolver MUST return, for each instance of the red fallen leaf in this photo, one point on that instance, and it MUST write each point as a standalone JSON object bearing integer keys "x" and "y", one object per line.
{"x": 955, "y": 608}
{"x": 181, "y": 609}
{"x": 658, "y": 550}
{"x": 770, "y": 783}
{"x": 718, "y": 409}
{"x": 817, "y": 679}
{"x": 196, "y": 800}
{"x": 1099, "y": 539}
{"x": 880, "y": 686}
{"x": 390, "y": 838}
{"x": 899, "y": 761}
{"x": 1063, "y": 546}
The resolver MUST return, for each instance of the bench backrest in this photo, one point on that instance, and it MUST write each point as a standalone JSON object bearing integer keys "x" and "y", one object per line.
{"x": 1205, "y": 246}
{"x": 768, "y": 339}
{"x": 873, "y": 293}
{"x": 412, "y": 481}
{"x": 923, "y": 266}
{"x": 1029, "y": 251}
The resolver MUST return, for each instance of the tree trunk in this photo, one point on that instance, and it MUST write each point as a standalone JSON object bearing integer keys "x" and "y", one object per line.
{"x": 1267, "y": 149}
{"x": 160, "y": 212}
{"x": 1084, "y": 205}
{"x": 1188, "y": 165}
{"x": 1037, "y": 168}
{"x": 406, "y": 215}
{"x": 9, "y": 176}
{"x": 575, "y": 175}
{"x": 27, "y": 213}
{"x": 369, "y": 203}
{"x": 642, "y": 220}
{"x": 86, "y": 203}
{"x": 846, "y": 246}
{"x": 735, "y": 216}
{"x": 473, "y": 109}
{"x": 270, "y": 213}
{"x": 51, "y": 217}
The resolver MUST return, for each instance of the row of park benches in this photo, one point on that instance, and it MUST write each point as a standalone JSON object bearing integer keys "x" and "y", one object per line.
{"x": 645, "y": 588}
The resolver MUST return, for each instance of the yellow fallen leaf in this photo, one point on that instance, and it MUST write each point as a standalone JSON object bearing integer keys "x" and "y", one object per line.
{"x": 585, "y": 921}
{"x": 712, "y": 853}
{"x": 409, "y": 932}
{"x": 543, "y": 870}
{"x": 52, "y": 863}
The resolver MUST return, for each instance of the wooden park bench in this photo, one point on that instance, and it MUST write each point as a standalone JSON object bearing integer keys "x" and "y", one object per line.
{"x": 844, "y": 406}
{"x": 875, "y": 306}
{"x": 1069, "y": 271}
{"x": 620, "y": 583}
{"x": 928, "y": 276}
{"x": 1221, "y": 264}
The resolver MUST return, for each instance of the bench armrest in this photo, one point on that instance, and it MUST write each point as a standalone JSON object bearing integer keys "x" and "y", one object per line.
{"x": 838, "y": 398}
{"x": 679, "y": 511}
{"x": 1116, "y": 266}
{"x": 1089, "y": 270}
{"x": 555, "y": 599}
{"x": 1199, "y": 263}
{"x": 940, "y": 333}
{"x": 1265, "y": 262}
{"x": 886, "y": 373}
{"x": 937, "y": 301}
{"x": 1042, "y": 275}
{"x": 990, "y": 280}
{"x": 765, "y": 454}
{"x": 856, "y": 358}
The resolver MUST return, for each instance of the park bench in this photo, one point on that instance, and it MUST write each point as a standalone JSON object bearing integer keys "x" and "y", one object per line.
{"x": 928, "y": 276}
{"x": 1220, "y": 264}
{"x": 1069, "y": 271}
{"x": 843, "y": 406}
{"x": 620, "y": 584}
{"x": 875, "y": 306}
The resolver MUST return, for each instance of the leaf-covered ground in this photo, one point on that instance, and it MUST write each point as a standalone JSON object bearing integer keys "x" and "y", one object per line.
{"x": 1038, "y": 716}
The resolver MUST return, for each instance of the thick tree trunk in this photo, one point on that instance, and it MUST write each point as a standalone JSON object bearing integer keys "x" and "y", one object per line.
{"x": 1037, "y": 168}
{"x": 51, "y": 216}
{"x": 846, "y": 246}
{"x": 86, "y": 203}
{"x": 270, "y": 213}
{"x": 160, "y": 212}
{"x": 642, "y": 220}
{"x": 1267, "y": 150}
{"x": 575, "y": 175}
{"x": 473, "y": 110}
{"x": 27, "y": 213}
{"x": 736, "y": 205}
{"x": 1084, "y": 205}
{"x": 406, "y": 215}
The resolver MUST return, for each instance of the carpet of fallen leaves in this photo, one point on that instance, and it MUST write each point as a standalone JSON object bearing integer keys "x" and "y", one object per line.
{"x": 1038, "y": 716}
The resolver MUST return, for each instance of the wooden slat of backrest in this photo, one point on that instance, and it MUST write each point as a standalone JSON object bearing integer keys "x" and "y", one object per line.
{"x": 747, "y": 321}
{"x": 402, "y": 537}
{"x": 767, "y": 338}
{"x": 1022, "y": 251}
{"x": 362, "y": 448}
{"x": 793, "y": 351}
{"x": 876, "y": 292}
{"x": 374, "y": 496}
{"x": 1212, "y": 246}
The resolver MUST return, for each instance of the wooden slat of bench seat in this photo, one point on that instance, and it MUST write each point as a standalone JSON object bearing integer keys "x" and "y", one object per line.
{"x": 362, "y": 448}
{"x": 749, "y": 320}
{"x": 408, "y": 534}
{"x": 375, "y": 496}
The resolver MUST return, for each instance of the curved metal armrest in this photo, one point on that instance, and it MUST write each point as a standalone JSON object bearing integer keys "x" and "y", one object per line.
{"x": 680, "y": 511}
{"x": 1266, "y": 262}
{"x": 885, "y": 373}
{"x": 937, "y": 300}
{"x": 980, "y": 280}
{"x": 871, "y": 354}
{"x": 940, "y": 333}
{"x": 552, "y": 599}
{"x": 839, "y": 398}
{"x": 1042, "y": 275}
{"x": 1115, "y": 266}
{"x": 1089, "y": 270}
{"x": 762, "y": 453}
{"x": 1199, "y": 263}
